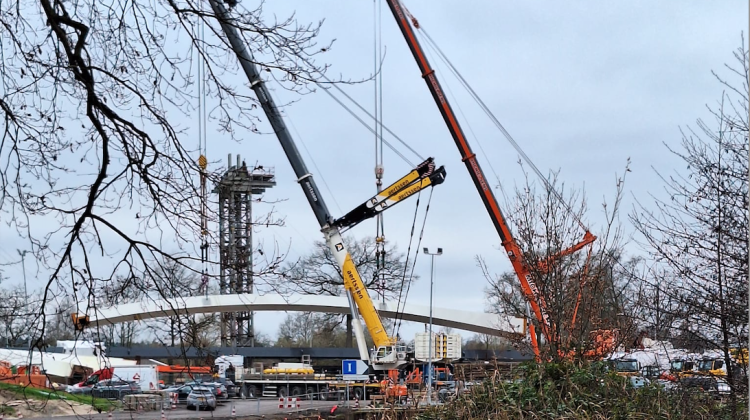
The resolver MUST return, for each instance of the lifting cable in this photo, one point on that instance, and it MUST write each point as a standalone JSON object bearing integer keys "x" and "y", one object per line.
{"x": 499, "y": 125}
{"x": 380, "y": 255}
{"x": 361, "y": 121}
{"x": 400, "y": 312}
{"x": 361, "y": 108}
{"x": 202, "y": 160}
{"x": 406, "y": 264}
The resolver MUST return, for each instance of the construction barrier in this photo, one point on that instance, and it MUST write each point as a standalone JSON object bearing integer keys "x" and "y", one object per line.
{"x": 36, "y": 381}
{"x": 288, "y": 402}
{"x": 146, "y": 402}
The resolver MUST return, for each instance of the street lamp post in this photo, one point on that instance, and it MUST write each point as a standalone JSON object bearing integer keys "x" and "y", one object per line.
{"x": 429, "y": 351}
{"x": 25, "y": 290}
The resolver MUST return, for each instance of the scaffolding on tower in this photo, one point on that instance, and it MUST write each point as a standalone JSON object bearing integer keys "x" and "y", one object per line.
{"x": 236, "y": 189}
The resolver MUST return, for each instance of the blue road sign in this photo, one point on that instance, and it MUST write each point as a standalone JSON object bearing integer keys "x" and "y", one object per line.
{"x": 353, "y": 367}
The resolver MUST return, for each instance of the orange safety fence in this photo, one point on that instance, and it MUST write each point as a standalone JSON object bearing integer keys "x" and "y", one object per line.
{"x": 20, "y": 377}
{"x": 36, "y": 381}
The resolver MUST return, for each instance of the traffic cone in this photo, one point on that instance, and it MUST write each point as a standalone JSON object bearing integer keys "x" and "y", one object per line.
{"x": 234, "y": 413}
{"x": 163, "y": 417}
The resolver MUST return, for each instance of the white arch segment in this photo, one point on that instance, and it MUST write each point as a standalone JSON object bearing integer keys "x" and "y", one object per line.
{"x": 478, "y": 322}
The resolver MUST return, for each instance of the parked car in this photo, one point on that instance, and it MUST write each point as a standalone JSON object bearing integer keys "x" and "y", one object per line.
{"x": 201, "y": 397}
{"x": 218, "y": 389}
{"x": 114, "y": 389}
{"x": 79, "y": 390}
{"x": 230, "y": 386}
{"x": 704, "y": 383}
{"x": 639, "y": 381}
{"x": 182, "y": 391}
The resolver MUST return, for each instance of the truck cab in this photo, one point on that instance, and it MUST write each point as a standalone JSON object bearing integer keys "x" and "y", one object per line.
{"x": 712, "y": 367}
{"x": 85, "y": 386}
{"x": 681, "y": 367}
{"x": 627, "y": 367}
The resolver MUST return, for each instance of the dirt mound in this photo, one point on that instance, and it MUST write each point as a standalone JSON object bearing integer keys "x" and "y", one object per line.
{"x": 14, "y": 404}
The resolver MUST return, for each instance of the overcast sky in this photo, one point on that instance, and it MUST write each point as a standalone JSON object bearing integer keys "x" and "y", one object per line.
{"x": 582, "y": 86}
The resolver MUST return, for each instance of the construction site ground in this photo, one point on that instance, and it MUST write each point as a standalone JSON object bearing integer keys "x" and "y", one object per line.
{"x": 66, "y": 410}
{"x": 17, "y": 405}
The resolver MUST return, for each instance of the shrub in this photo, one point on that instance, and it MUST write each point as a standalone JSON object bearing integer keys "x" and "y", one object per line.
{"x": 568, "y": 391}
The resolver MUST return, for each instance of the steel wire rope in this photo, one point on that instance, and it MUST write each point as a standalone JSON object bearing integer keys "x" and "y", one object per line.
{"x": 379, "y": 274}
{"x": 384, "y": 127}
{"x": 358, "y": 118}
{"x": 466, "y": 119}
{"x": 406, "y": 263}
{"x": 390, "y": 146}
{"x": 399, "y": 313}
{"x": 202, "y": 150}
{"x": 499, "y": 125}
{"x": 314, "y": 164}
{"x": 549, "y": 187}
{"x": 368, "y": 113}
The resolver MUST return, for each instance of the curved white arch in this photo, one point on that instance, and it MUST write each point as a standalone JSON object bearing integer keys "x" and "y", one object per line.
{"x": 478, "y": 322}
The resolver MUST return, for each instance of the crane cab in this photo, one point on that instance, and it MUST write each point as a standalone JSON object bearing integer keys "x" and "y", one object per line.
{"x": 389, "y": 357}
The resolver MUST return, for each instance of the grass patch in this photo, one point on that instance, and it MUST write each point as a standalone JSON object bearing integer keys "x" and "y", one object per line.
{"x": 45, "y": 395}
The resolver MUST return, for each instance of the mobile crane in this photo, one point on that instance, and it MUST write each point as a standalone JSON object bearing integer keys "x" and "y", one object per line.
{"x": 604, "y": 339}
{"x": 388, "y": 353}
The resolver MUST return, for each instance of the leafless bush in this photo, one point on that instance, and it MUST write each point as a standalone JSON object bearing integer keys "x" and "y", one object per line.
{"x": 698, "y": 235}
{"x": 583, "y": 292}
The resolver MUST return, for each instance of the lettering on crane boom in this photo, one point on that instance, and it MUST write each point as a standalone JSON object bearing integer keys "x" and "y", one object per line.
{"x": 535, "y": 293}
{"x": 397, "y": 8}
{"x": 356, "y": 286}
{"x": 478, "y": 174}
{"x": 438, "y": 91}
{"x": 312, "y": 191}
{"x": 397, "y": 187}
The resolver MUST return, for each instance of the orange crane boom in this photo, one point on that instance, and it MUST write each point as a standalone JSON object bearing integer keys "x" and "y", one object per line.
{"x": 530, "y": 289}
